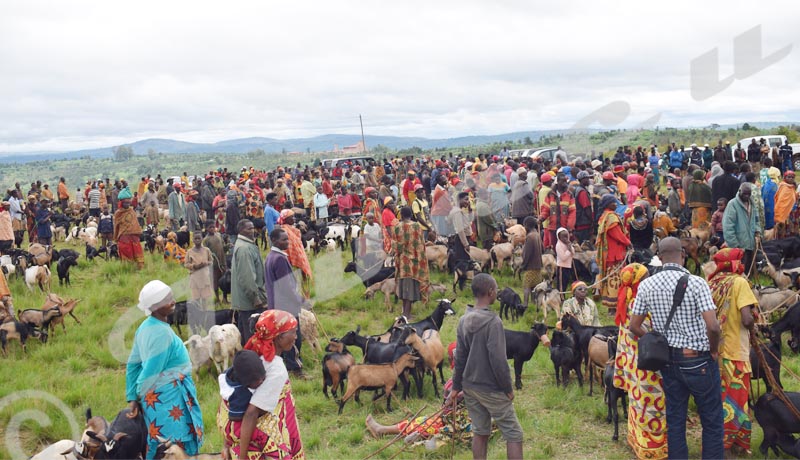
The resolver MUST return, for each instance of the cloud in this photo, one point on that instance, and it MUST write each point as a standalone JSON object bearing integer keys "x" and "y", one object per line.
{"x": 80, "y": 74}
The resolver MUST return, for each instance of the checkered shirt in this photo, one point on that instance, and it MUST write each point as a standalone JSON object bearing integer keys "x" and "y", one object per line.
{"x": 687, "y": 329}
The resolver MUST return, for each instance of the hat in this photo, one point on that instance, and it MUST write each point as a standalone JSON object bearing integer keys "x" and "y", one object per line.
{"x": 546, "y": 177}
{"x": 576, "y": 285}
{"x": 705, "y": 145}
{"x": 606, "y": 200}
{"x": 583, "y": 174}
{"x": 561, "y": 229}
{"x": 456, "y": 181}
{"x": 247, "y": 368}
{"x": 417, "y": 187}
{"x": 728, "y": 142}
{"x": 387, "y": 200}
{"x": 596, "y": 164}
{"x": 788, "y": 173}
{"x": 438, "y": 163}
{"x": 608, "y": 175}
{"x": 369, "y": 190}
{"x": 468, "y": 164}
{"x": 31, "y": 197}
{"x": 411, "y": 172}
{"x": 152, "y": 294}
{"x": 521, "y": 170}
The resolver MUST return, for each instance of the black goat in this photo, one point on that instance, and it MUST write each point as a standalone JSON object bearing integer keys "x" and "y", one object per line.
{"x": 521, "y": 345}
{"x": 511, "y": 302}
{"x": 380, "y": 275}
{"x": 566, "y": 357}
{"x": 790, "y": 321}
{"x": 778, "y": 423}
{"x": 63, "y": 269}
{"x": 464, "y": 270}
{"x": 179, "y": 316}
{"x": 126, "y": 438}
{"x": 225, "y": 284}
{"x": 223, "y": 317}
{"x": 91, "y": 252}
{"x": 772, "y": 356}
{"x": 583, "y": 334}
{"x": 612, "y": 393}
{"x": 380, "y": 353}
{"x": 435, "y": 319}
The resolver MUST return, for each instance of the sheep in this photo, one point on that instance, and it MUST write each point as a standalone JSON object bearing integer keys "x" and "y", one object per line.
{"x": 225, "y": 342}
{"x": 770, "y": 299}
{"x": 199, "y": 349}
{"x": 376, "y": 376}
{"x": 38, "y": 275}
{"x": 66, "y": 308}
{"x": 429, "y": 347}
{"x": 436, "y": 255}
{"x": 500, "y": 253}
{"x": 547, "y": 297}
{"x": 308, "y": 329}
{"x": 516, "y": 234}
{"x": 387, "y": 286}
{"x": 61, "y": 450}
{"x": 166, "y": 450}
{"x": 14, "y": 330}
{"x": 335, "y": 365}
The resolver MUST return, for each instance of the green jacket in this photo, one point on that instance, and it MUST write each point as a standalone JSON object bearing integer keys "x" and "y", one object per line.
{"x": 247, "y": 276}
{"x": 738, "y": 228}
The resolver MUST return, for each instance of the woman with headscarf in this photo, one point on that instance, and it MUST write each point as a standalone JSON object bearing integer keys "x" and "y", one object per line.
{"x": 389, "y": 220}
{"x": 698, "y": 198}
{"x": 296, "y": 252}
{"x": 735, "y": 303}
{"x": 612, "y": 244}
{"x": 127, "y": 231}
{"x": 269, "y": 426}
{"x": 581, "y": 306}
{"x": 647, "y": 423}
{"x": 173, "y": 252}
{"x": 411, "y": 265}
{"x": 158, "y": 383}
{"x": 716, "y": 171}
{"x": 785, "y": 199}
{"x": 634, "y": 182}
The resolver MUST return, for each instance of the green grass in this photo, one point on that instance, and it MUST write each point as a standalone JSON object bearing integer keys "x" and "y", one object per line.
{"x": 79, "y": 370}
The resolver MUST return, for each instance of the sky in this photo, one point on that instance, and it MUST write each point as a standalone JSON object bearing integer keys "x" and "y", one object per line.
{"x": 89, "y": 74}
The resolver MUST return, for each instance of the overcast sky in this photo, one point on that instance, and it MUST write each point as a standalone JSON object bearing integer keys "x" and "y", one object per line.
{"x": 85, "y": 74}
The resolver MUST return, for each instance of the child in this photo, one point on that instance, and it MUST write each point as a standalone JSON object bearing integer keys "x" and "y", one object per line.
{"x": 151, "y": 214}
{"x": 236, "y": 387}
{"x": 106, "y": 226}
{"x": 564, "y": 254}
{"x": 321, "y": 202}
{"x": 716, "y": 219}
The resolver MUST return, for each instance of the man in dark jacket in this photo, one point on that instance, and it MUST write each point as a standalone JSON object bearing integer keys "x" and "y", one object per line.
{"x": 482, "y": 371}
{"x": 727, "y": 185}
{"x": 584, "y": 215}
{"x": 248, "y": 294}
{"x": 754, "y": 153}
{"x": 521, "y": 197}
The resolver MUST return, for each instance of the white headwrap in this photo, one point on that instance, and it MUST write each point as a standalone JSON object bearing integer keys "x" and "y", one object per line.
{"x": 152, "y": 294}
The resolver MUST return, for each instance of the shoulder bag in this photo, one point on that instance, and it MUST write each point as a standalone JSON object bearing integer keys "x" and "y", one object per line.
{"x": 653, "y": 346}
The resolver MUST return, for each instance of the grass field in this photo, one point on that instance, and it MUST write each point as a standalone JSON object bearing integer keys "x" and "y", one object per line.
{"x": 42, "y": 391}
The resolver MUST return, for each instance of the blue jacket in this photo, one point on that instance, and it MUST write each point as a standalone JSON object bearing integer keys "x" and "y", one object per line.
{"x": 768, "y": 191}
{"x": 675, "y": 159}
{"x": 738, "y": 228}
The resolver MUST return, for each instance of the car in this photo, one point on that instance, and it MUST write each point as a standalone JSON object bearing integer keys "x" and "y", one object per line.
{"x": 362, "y": 161}
{"x": 546, "y": 154}
{"x": 773, "y": 140}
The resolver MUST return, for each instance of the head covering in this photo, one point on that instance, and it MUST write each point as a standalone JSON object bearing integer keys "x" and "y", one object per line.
{"x": 583, "y": 174}
{"x": 152, "y": 294}
{"x": 605, "y": 200}
{"x": 521, "y": 170}
{"x": 387, "y": 200}
{"x": 608, "y": 175}
{"x": 728, "y": 260}
{"x": 172, "y": 236}
{"x": 125, "y": 194}
{"x": 698, "y": 174}
{"x": 369, "y": 190}
{"x": 576, "y": 285}
{"x": 284, "y": 214}
{"x": 561, "y": 229}
{"x": 270, "y": 325}
{"x": 411, "y": 172}
{"x": 619, "y": 168}
{"x": 247, "y": 368}
{"x": 774, "y": 174}
{"x": 596, "y": 164}
{"x": 629, "y": 277}
{"x": 546, "y": 177}
{"x": 417, "y": 187}
{"x": 788, "y": 173}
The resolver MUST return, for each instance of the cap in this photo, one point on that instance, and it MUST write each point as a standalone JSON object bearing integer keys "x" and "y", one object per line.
{"x": 693, "y": 145}
{"x": 546, "y": 177}
{"x": 521, "y": 170}
{"x": 387, "y": 200}
{"x": 583, "y": 174}
{"x": 417, "y": 187}
{"x": 369, "y": 190}
{"x": 411, "y": 172}
{"x": 608, "y": 175}
{"x": 705, "y": 145}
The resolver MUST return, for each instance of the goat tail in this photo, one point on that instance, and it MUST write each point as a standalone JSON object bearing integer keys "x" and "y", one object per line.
{"x": 88, "y": 413}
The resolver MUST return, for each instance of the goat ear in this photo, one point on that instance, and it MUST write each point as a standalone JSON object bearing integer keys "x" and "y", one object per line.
{"x": 119, "y": 436}
{"x": 97, "y": 436}
{"x": 358, "y": 329}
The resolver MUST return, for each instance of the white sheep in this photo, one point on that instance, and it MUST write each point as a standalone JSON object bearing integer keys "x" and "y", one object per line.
{"x": 199, "y": 349}
{"x": 61, "y": 450}
{"x": 308, "y": 329}
{"x": 225, "y": 342}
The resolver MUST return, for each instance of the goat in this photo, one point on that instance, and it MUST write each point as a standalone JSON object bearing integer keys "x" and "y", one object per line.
{"x": 61, "y": 450}
{"x": 376, "y": 376}
{"x": 179, "y": 316}
{"x": 62, "y": 267}
{"x": 583, "y": 336}
{"x": 436, "y": 255}
{"x": 388, "y": 287}
{"x": 223, "y": 317}
{"x": 225, "y": 342}
{"x": 612, "y": 393}
{"x": 14, "y": 330}
{"x": 335, "y": 365}
{"x": 566, "y": 357}
{"x": 376, "y": 352}
{"x": 772, "y": 356}
{"x": 91, "y": 252}
{"x": 65, "y": 308}
{"x": 125, "y": 438}
{"x": 516, "y": 234}
{"x": 694, "y": 250}
{"x": 597, "y": 357}
{"x": 167, "y": 450}
{"x": 511, "y": 302}
{"x": 464, "y": 270}
{"x": 548, "y": 267}
{"x": 770, "y": 299}
{"x": 38, "y": 275}
{"x": 778, "y": 423}
{"x": 199, "y": 349}
{"x": 429, "y": 347}
{"x": 547, "y": 298}
{"x": 435, "y": 319}
{"x": 500, "y": 253}
{"x": 434, "y": 287}
{"x": 521, "y": 345}
{"x": 225, "y": 284}
{"x": 790, "y": 321}
{"x": 481, "y": 256}
{"x": 308, "y": 329}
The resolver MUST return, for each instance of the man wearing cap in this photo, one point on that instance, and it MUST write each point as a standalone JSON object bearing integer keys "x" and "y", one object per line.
{"x": 177, "y": 208}
{"x": 127, "y": 231}
{"x": 545, "y": 186}
{"x": 248, "y": 291}
{"x": 521, "y": 197}
{"x": 708, "y": 156}
{"x": 584, "y": 214}
{"x": 785, "y": 199}
{"x": 408, "y": 185}
{"x": 740, "y": 225}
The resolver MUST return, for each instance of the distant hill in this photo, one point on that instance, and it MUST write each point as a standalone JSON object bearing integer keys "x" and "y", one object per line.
{"x": 324, "y": 143}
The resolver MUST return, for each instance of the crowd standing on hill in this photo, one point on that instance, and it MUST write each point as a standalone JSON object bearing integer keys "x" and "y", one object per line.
{"x": 618, "y": 205}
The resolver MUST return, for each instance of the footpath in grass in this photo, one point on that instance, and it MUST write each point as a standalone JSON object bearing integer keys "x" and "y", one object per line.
{"x": 44, "y": 393}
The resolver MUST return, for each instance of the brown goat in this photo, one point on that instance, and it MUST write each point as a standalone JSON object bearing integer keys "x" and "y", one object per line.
{"x": 335, "y": 366}
{"x": 376, "y": 376}
{"x": 65, "y": 309}
{"x": 386, "y": 286}
{"x": 431, "y": 350}
{"x": 437, "y": 256}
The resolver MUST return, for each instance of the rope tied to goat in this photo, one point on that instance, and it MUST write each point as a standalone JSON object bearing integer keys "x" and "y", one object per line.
{"x": 776, "y": 389}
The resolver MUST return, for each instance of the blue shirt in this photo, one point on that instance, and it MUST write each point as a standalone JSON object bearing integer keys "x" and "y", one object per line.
{"x": 271, "y": 216}
{"x": 157, "y": 358}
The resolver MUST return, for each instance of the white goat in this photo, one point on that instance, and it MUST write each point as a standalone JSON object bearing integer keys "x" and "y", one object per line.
{"x": 225, "y": 342}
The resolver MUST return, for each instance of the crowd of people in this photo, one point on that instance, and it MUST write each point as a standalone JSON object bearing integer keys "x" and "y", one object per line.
{"x": 616, "y": 205}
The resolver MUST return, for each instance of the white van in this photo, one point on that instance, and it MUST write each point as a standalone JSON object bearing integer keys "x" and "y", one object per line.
{"x": 331, "y": 163}
{"x": 773, "y": 140}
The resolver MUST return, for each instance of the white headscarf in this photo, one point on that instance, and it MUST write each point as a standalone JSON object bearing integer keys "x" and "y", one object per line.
{"x": 152, "y": 294}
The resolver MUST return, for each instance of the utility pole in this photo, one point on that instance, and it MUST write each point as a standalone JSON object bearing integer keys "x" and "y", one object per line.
{"x": 363, "y": 141}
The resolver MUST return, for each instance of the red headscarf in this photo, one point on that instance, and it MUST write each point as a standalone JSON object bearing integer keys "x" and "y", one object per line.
{"x": 729, "y": 260}
{"x": 270, "y": 325}
{"x": 629, "y": 278}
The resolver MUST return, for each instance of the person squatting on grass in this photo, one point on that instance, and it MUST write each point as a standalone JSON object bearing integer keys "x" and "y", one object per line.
{"x": 482, "y": 372}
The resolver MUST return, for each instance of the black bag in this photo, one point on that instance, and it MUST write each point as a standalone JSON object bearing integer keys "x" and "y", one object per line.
{"x": 653, "y": 346}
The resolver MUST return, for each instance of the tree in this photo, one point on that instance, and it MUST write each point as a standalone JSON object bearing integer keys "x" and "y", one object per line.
{"x": 257, "y": 153}
{"x": 790, "y": 134}
{"x": 747, "y": 127}
{"x": 122, "y": 153}
{"x": 151, "y": 154}
{"x": 527, "y": 140}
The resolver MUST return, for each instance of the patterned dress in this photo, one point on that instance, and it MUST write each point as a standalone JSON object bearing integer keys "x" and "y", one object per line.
{"x": 410, "y": 260}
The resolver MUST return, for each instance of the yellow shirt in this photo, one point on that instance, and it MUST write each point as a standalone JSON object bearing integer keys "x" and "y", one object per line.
{"x": 735, "y": 341}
